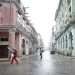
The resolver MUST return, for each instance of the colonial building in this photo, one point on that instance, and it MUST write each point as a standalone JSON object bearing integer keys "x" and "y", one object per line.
{"x": 65, "y": 27}
{"x": 15, "y": 29}
{"x": 40, "y": 42}
{"x": 52, "y": 41}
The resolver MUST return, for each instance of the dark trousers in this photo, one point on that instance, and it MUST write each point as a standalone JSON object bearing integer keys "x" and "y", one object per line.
{"x": 12, "y": 61}
{"x": 41, "y": 55}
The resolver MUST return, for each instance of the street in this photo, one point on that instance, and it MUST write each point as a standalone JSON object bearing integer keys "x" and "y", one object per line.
{"x": 33, "y": 65}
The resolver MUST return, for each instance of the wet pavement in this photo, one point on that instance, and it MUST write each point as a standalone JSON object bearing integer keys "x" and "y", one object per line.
{"x": 33, "y": 65}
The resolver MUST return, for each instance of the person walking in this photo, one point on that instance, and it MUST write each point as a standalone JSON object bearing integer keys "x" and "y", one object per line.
{"x": 14, "y": 57}
{"x": 41, "y": 51}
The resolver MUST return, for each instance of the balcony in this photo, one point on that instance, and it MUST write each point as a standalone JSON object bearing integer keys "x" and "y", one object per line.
{"x": 20, "y": 27}
{"x": 23, "y": 30}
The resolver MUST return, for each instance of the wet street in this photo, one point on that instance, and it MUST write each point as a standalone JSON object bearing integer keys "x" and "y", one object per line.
{"x": 33, "y": 65}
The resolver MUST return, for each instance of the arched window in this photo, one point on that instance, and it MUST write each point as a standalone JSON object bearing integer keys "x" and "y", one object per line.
{"x": 23, "y": 43}
{"x": 18, "y": 1}
{"x": 68, "y": 2}
{"x": 66, "y": 41}
{"x": 63, "y": 42}
{"x": 0, "y": 5}
{"x": 71, "y": 38}
{"x": 23, "y": 46}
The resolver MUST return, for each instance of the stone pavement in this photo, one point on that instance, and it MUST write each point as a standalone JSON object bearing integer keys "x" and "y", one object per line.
{"x": 33, "y": 65}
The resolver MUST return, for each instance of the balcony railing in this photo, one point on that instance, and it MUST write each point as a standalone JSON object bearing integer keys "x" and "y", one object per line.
{"x": 27, "y": 30}
{"x": 22, "y": 29}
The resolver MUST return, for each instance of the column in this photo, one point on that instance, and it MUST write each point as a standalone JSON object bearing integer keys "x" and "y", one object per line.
{"x": 11, "y": 38}
{"x": 18, "y": 44}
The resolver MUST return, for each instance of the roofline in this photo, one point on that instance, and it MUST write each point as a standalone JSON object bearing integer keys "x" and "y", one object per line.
{"x": 56, "y": 14}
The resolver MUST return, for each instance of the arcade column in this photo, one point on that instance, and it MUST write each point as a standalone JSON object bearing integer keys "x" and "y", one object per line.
{"x": 11, "y": 41}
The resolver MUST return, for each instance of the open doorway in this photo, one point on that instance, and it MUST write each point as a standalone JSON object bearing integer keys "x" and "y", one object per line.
{"x": 3, "y": 51}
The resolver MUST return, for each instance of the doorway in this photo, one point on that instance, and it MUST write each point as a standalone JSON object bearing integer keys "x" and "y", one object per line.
{"x": 3, "y": 51}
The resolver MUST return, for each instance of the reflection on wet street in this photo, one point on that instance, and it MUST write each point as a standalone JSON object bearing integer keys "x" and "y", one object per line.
{"x": 33, "y": 65}
{"x": 53, "y": 65}
{"x": 45, "y": 64}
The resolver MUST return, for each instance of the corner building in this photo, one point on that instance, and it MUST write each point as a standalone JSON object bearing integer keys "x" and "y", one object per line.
{"x": 15, "y": 29}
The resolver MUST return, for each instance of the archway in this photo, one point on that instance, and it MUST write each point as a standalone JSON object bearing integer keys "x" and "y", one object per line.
{"x": 23, "y": 46}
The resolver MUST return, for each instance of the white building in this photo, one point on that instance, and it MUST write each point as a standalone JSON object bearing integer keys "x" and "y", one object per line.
{"x": 65, "y": 27}
{"x": 40, "y": 42}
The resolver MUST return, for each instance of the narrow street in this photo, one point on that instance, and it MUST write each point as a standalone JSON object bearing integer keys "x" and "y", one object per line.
{"x": 33, "y": 65}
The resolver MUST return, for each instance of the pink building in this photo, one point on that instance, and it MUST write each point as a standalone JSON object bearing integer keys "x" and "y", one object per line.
{"x": 14, "y": 33}
{"x": 8, "y": 34}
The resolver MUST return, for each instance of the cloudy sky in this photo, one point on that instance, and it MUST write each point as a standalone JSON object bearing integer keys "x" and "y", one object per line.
{"x": 41, "y": 15}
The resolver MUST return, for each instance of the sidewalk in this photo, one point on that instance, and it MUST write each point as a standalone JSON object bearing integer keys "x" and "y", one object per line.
{"x": 4, "y": 59}
{"x": 63, "y": 56}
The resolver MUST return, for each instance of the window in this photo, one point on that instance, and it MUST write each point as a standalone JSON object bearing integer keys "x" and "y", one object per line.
{"x": 66, "y": 41}
{"x": 18, "y": 1}
{"x": 61, "y": 43}
{"x": 23, "y": 46}
{"x": 3, "y": 39}
{"x": 68, "y": 2}
{"x": 23, "y": 43}
{"x": 19, "y": 11}
{"x": 71, "y": 39}
{"x": 24, "y": 18}
{"x": 70, "y": 9}
{"x": 0, "y": 4}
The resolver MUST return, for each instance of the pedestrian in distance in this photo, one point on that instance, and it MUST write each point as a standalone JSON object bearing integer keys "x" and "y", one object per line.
{"x": 41, "y": 51}
{"x": 14, "y": 57}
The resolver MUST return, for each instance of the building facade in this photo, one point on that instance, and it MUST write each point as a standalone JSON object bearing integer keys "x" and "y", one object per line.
{"x": 15, "y": 29}
{"x": 52, "y": 46}
{"x": 65, "y": 27}
{"x": 40, "y": 42}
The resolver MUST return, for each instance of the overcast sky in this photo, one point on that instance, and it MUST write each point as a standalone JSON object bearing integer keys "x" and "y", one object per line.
{"x": 42, "y": 14}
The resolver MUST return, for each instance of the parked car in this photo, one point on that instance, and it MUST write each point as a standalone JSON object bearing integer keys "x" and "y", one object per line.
{"x": 52, "y": 52}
